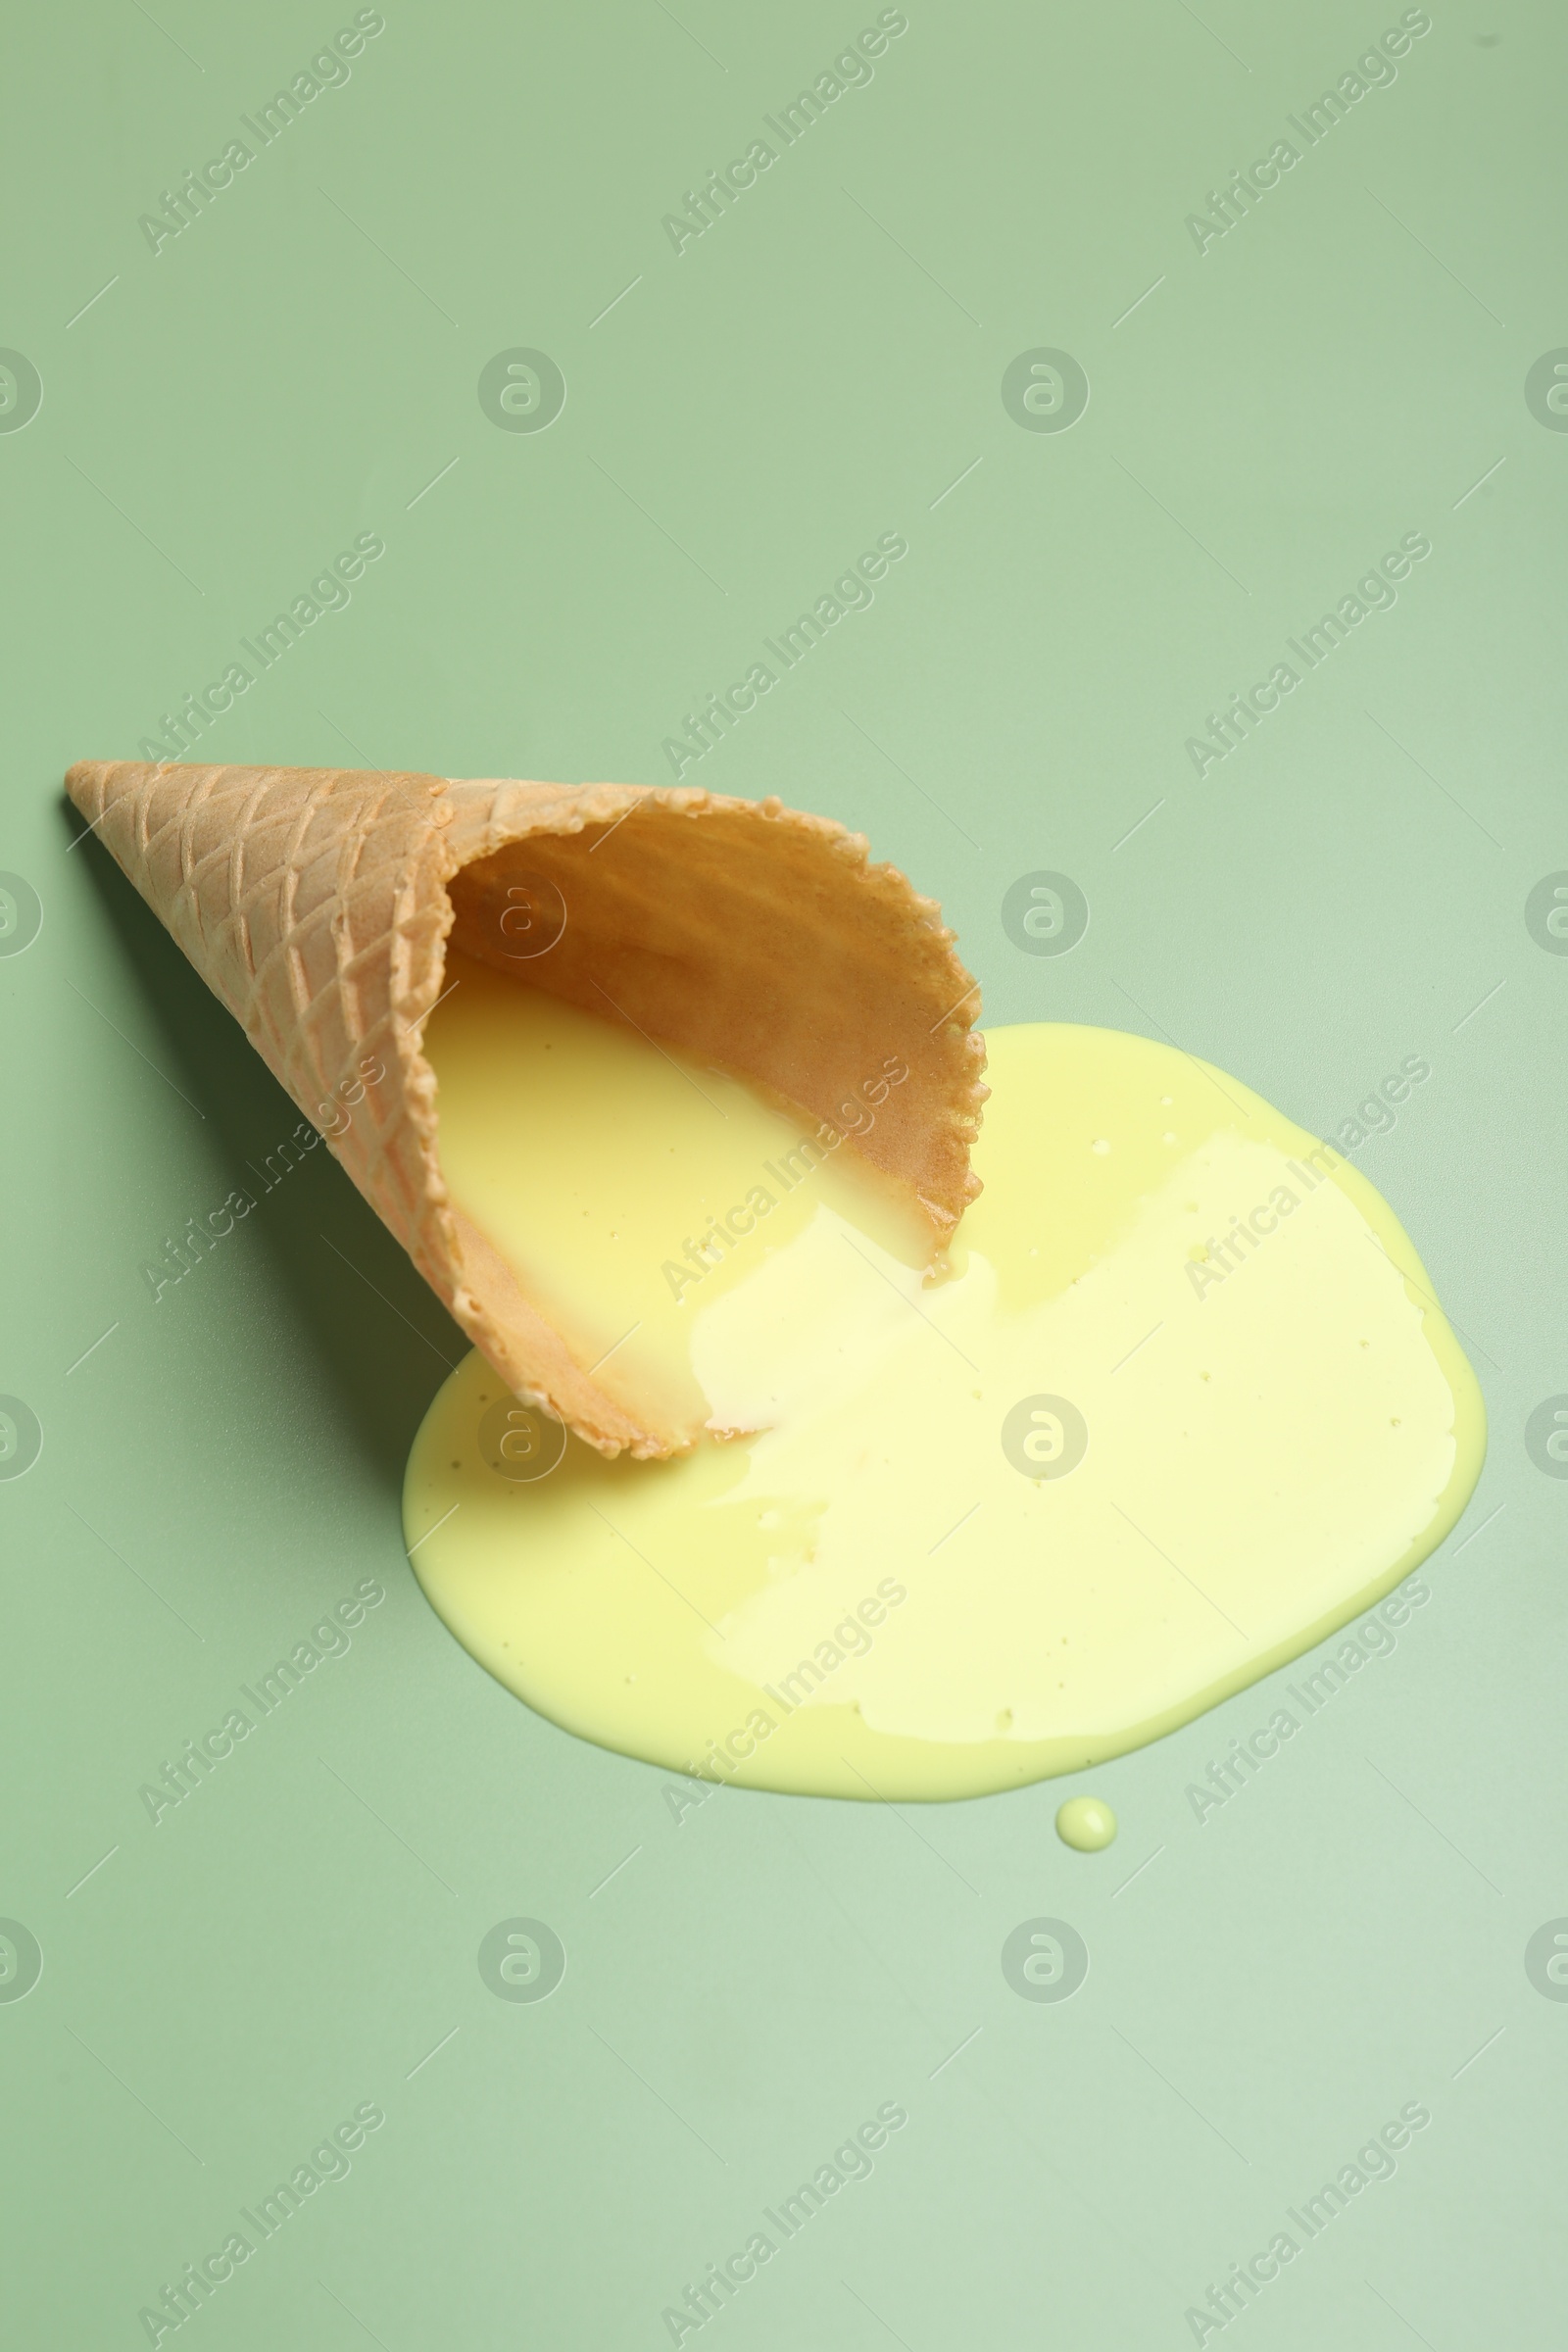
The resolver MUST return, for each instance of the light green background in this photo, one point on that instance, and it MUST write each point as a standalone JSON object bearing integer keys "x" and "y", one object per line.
{"x": 299, "y": 366}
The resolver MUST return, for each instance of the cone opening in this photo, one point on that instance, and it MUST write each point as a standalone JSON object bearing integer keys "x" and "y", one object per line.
{"x": 756, "y": 944}
{"x": 765, "y": 945}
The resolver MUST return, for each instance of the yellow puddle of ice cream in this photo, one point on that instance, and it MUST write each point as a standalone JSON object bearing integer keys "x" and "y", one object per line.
{"x": 1184, "y": 1404}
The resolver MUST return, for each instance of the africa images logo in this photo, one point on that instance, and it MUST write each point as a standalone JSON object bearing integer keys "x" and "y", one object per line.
{"x": 328, "y": 69}
{"x": 853, "y": 69}
{"x": 1374, "y": 592}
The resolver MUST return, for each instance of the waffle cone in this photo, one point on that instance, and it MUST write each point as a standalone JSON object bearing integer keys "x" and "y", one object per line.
{"x": 316, "y": 905}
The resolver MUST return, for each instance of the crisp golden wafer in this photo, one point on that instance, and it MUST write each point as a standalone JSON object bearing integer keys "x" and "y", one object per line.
{"x": 318, "y": 905}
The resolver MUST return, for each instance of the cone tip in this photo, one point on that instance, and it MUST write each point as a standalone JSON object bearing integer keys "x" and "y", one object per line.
{"x": 90, "y": 782}
{"x": 81, "y": 779}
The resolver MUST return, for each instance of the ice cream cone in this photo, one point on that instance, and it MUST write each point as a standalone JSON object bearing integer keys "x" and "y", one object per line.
{"x": 316, "y": 905}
